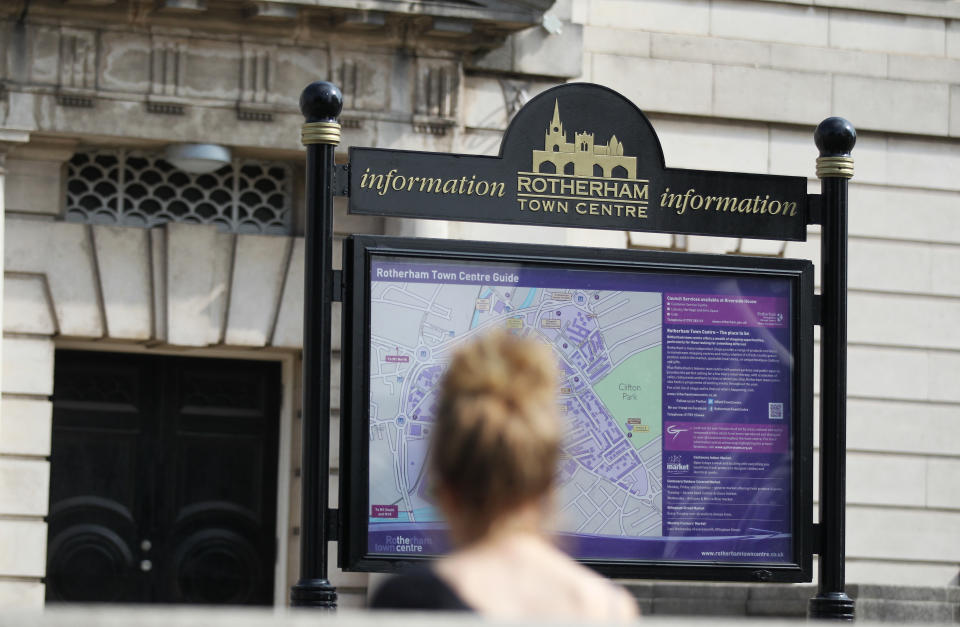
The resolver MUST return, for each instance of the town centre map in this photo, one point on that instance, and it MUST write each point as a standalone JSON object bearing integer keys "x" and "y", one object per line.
{"x": 608, "y": 346}
{"x": 674, "y": 391}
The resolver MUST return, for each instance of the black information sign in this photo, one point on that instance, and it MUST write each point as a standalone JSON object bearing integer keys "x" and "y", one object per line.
{"x": 578, "y": 155}
{"x": 687, "y": 379}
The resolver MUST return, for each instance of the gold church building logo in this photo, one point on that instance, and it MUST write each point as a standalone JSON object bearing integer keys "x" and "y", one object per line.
{"x": 582, "y": 176}
{"x": 582, "y": 157}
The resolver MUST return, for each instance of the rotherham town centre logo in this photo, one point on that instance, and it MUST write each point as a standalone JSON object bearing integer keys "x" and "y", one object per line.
{"x": 582, "y": 176}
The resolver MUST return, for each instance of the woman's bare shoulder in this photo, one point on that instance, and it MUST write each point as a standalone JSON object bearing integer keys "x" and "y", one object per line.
{"x": 610, "y": 600}
{"x": 589, "y": 594}
{"x": 523, "y": 578}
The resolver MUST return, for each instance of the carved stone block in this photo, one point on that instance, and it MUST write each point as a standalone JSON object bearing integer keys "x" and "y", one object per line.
{"x": 166, "y": 66}
{"x": 70, "y": 99}
{"x": 198, "y": 263}
{"x": 259, "y": 266}
{"x": 211, "y": 69}
{"x": 78, "y": 59}
{"x": 124, "y": 265}
{"x": 437, "y": 89}
{"x": 23, "y": 544}
{"x": 63, "y": 252}
{"x": 37, "y": 57}
{"x": 257, "y": 71}
{"x": 125, "y": 62}
{"x": 34, "y": 186}
{"x": 248, "y": 112}
{"x": 163, "y": 107}
{"x": 364, "y": 80}
{"x": 27, "y": 309}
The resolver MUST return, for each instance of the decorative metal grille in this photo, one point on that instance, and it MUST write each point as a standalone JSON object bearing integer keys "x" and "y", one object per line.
{"x": 133, "y": 188}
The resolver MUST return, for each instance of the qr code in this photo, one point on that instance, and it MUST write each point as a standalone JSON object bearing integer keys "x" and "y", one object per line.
{"x": 775, "y": 411}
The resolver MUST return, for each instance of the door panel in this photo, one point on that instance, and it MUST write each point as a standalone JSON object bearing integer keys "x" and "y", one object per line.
{"x": 224, "y": 447}
{"x": 163, "y": 479}
{"x": 101, "y": 419}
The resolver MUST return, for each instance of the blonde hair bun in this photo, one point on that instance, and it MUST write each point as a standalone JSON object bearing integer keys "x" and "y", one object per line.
{"x": 497, "y": 437}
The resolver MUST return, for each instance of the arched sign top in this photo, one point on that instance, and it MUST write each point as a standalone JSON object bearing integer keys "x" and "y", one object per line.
{"x": 586, "y": 128}
{"x": 578, "y": 155}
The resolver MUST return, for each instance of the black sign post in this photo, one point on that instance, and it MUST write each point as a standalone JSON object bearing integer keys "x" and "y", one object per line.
{"x": 320, "y": 104}
{"x": 606, "y": 172}
{"x": 835, "y": 138}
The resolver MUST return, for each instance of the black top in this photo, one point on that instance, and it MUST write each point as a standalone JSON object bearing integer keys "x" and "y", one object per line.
{"x": 418, "y": 589}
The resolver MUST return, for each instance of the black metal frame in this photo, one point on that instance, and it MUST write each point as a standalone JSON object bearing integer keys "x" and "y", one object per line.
{"x": 321, "y": 103}
{"x": 355, "y": 420}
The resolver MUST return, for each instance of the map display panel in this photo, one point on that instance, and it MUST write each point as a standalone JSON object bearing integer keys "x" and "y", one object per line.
{"x": 675, "y": 389}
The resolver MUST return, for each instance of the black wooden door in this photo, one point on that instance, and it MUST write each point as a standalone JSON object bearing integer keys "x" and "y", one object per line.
{"x": 163, "y": 479}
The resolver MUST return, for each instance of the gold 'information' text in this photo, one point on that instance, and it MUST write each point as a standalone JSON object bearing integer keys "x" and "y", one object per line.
{"x": 690, "y": 199}
{"x": 463, "y": 186}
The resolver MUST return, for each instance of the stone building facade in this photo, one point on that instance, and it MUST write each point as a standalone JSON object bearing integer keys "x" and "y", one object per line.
{"x": 92, "y": 91}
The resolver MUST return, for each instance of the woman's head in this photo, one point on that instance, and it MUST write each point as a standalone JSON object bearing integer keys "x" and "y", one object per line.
{"x": 497, "y": 435}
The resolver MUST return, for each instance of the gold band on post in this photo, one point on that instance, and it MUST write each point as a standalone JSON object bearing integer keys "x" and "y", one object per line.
{"x": 840, "y": 167}
{"x": 320, "y": 133}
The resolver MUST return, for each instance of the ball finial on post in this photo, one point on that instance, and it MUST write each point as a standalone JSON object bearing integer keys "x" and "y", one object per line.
{"x": 835, "y": 138}
{"x": 321, "y": 101}
{"x": 320, "y": 104}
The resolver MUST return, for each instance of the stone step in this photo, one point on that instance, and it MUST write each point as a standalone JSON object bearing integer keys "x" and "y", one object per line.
{"x": 873, "y": 602}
